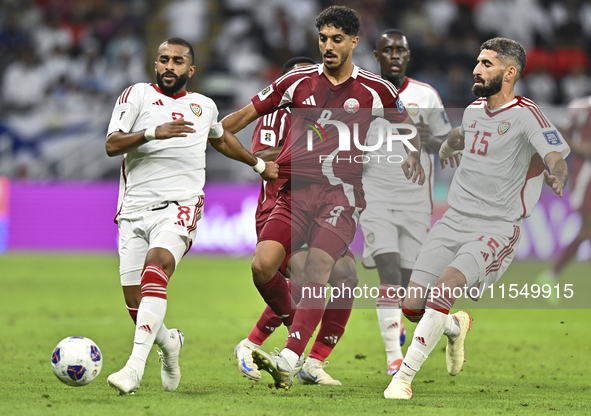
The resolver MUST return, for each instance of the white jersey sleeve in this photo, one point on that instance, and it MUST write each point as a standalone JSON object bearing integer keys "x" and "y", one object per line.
{"x": 543, "y": 136}
{"x": 216, "y": 130}
{"x": 126, "y": 111}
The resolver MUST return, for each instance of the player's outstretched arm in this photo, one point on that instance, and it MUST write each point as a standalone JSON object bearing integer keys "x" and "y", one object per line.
{"x": 240, "y": 119}
{"x": 230, "y": 146}
{"x": 558, "y": 175}
{"x": 451, "y": 149}
{"x": 119, "y": 142}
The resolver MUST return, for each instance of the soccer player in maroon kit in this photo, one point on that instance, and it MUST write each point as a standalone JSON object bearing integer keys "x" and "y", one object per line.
{"x": 267, "y": 142}
{"x": 321, "y": 202}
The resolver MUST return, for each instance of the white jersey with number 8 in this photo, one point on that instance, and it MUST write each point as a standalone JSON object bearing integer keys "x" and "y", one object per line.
{"x": 163, "y": 170}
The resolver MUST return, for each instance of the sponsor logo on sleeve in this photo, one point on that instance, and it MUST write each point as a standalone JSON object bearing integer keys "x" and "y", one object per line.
{"x": 122, "y": 115}
{"x": 265, "y": 93}
{"x": 552, "y": 137}
{"x": 400, "y": 106}
{"x": 444, "y": 117}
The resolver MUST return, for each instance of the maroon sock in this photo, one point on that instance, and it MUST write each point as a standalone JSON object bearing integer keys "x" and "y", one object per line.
{"x": 332, "y": 328}
{"x": 269, "y": 321}
{"x": 296, "y": 292}
{"x": 265, "y": 326}
{"x": 276, "y": 293}
{"x": 307, "y": 317}
{"x": 567, "y": 254}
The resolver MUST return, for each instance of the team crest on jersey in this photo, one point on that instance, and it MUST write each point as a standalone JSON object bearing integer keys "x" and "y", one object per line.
{"x": 196, "y": 109}
{"x": 351, "y": 106}
{"x": 370, "y": 238}
{"x": 552, "y": 137}
{"x": 503, "y": 127}
{"x": 399, "y": 105}
{"x": 412, "y": 108}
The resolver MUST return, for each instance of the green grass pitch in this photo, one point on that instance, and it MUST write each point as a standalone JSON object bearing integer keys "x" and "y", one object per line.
{"x": 526, "y": 362}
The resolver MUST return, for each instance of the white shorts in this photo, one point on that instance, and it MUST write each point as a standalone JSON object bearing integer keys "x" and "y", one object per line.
{"x": 169, "y": 225}
{"x": 392, "y": 231}
{"x": 480, "y": 249}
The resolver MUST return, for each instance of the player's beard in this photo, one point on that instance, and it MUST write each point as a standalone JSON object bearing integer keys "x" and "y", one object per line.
{"x": 177, "y": 85}
{"x": 488, "y": 88}
{"x": 340, "y": 64}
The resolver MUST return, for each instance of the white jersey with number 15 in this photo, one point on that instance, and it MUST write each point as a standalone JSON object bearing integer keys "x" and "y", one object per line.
{"x": 500, "y": 176}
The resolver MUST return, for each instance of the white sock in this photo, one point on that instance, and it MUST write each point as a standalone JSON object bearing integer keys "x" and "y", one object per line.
{"x": 149, "y": 320}
{"x": 291, "y": 357}
{"x": 162, "y": 337}
{"x": 452, "y": 327}
{"x": 389, "y": 319}
{"x": 427, "y": 334}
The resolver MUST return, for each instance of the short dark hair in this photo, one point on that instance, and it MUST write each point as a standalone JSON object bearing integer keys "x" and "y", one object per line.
{"x": 182, "y": 42}
{"x": 340, "y": 17}
{"x": 289, "y": 65}
{"x": 508, "y": 51}
{"x": 389, "y": 32}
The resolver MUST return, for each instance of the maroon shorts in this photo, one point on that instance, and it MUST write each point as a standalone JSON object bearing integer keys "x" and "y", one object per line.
{"x": 261, "y": 219}
{"x": 318, "y": 215}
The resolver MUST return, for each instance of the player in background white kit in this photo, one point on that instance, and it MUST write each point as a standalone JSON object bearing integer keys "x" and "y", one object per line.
{"x": 163, "y": 131}
{"x": 507, "y": 143}
{"x": 398, "y": 214}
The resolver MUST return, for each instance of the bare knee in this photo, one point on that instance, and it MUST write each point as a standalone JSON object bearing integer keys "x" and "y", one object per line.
{"x": 162, "y": 258}
{"x": 262, "y": 270}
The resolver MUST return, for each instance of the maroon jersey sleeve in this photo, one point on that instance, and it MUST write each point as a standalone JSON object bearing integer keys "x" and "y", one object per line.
{"x": 271, "y": 130}
{"x": 280, "y": 93}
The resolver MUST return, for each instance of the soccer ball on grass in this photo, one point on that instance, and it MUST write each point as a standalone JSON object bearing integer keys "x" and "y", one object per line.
{"x": 76, "y": 361}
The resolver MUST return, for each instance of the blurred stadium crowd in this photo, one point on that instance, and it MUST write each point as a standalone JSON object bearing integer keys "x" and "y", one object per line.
{"x": 64, "y": 62}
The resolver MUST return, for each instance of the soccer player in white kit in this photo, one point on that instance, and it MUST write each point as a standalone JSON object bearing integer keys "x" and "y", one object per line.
{"x": 507, "y": 143}
{"x": 163, "y": 131}
{"x": 398, "y": 214}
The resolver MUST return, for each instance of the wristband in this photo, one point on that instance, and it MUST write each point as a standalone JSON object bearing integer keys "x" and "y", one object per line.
{"x": 260, "y": 166}
{"x": 446, "y": 151}
{"x": 150, "y": 134}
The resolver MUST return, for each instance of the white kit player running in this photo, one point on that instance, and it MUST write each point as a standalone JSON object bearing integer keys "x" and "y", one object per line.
{"x": 163, "y": 131}
{"x": 398, "y": 214}
{"x": 507, "y": 143}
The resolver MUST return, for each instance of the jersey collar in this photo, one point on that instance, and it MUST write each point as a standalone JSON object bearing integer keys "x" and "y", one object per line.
{"x": 173, "y": 96}
{"x": 502, "y": 108}
{"x": 404, "y": 85}
{"x": 336, "y": 87}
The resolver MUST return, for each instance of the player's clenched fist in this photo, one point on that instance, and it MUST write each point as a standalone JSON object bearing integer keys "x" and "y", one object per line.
{"x": 271, "y": 172}
{"x": 176, "y": 128}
